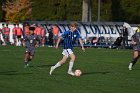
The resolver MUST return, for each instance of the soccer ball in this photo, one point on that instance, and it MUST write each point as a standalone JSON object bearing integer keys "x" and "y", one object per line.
{"x": 77, "y": 72}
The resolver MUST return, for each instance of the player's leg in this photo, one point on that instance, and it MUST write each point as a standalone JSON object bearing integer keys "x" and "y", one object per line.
{"x": 31, "y": 55}
{"x": 72, "y": 56}
{"x": 30, "y": 58}
{"x": 62, "y": 61}
{"x": 134, "y": 60}
{"x": 26, "y": 58}
{"x": 58, "y": 64}
{"x": 71, "y": 63}
{"x": 32, "y": 52}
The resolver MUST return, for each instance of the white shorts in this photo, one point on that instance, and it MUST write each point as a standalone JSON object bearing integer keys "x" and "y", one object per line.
{"x": 67, "y": 52}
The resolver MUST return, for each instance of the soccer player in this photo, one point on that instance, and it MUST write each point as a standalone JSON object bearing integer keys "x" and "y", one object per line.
{"x": 136, "y": 48}
{"x": 31, "y": 42}
{"x": 69, "y": 37}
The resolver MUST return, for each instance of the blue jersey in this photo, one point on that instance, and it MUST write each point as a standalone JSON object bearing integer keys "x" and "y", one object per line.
{"x": 69, "y": 38}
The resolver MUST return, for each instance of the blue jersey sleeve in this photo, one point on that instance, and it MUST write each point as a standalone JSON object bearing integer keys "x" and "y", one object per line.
{"x": 64, "y": 34}
{"x": 78, "y": 35}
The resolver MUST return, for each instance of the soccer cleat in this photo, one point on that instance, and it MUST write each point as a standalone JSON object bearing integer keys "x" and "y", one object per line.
{"x": 130, "y": 66}
{"x": 71, "y": 73}
{"x": 51, "y": 70}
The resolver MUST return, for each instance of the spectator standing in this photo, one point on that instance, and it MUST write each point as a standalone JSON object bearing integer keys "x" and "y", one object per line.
{"x": 38, "y": 32}
{"x": 6, "y": 33}
{"x": 43, "y": 32}
{"x": 14, "y": 32}
{"x": 125, "y": 37}
{"x": 19, "y": 34}
{"x": 26, "y": 29}
{"x": 50, "y": 37}
{"x": 55, "y": 34}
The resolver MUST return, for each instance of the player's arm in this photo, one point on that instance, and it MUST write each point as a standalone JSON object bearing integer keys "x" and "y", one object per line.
{"x": 81, "y": 43}
{"x": 80, "y": 40}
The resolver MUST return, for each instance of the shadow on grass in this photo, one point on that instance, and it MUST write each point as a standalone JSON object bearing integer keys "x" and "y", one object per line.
{"x": 91, "y": 73}
{"x": 44, "y": 66}
{"x": 13, "y": 73}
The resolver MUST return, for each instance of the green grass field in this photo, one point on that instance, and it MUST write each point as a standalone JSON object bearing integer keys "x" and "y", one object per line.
{"x": 104, "y": 71}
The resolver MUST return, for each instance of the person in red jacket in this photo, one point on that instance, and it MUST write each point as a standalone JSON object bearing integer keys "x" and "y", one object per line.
{"x": 14, "y": 31}
{"x": 19, "y": 34}
{"x": 55, "y": 34}
{"x": 43, "y": 32}
{"x": 6, "y": 33}
{"x": 38, "y": 32}
{"x": 26, "y": 29}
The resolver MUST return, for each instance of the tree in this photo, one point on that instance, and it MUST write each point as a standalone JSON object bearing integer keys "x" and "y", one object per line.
{"x": 126, "y": 10}
{"x": 86, "y": 14}
{"x": 1, "y": 11}
{"x": 17, "y": 10}
{"x": 131, "y": 10}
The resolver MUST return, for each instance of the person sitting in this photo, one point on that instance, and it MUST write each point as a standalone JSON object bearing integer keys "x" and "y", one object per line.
{"x": 94, "y": 41}
{"x": 118, "y": 42}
